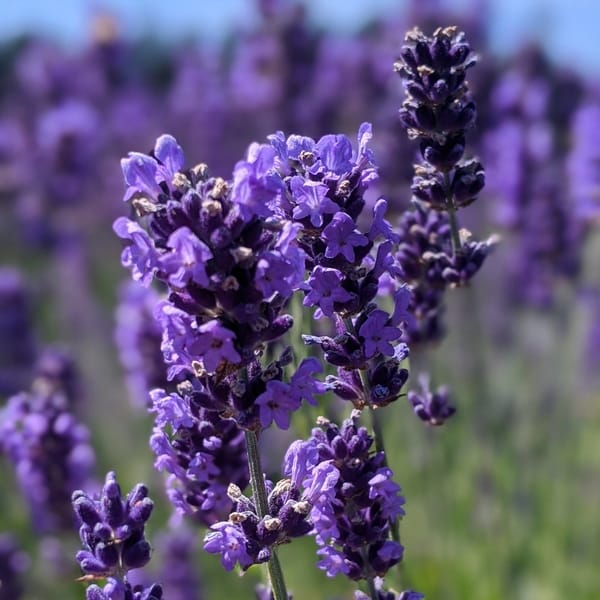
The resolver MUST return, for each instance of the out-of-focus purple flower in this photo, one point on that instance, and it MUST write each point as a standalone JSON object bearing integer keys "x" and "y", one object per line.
{"x": 178, "y": 573}
{"x": 51, "y": 453}
{"x": 583, "y": 164}
{"x": 432, "y": 407}
{"x": 13, "y": 563}
{"x": 17, "y": 347}
{"x": 138, "y": 338}
{"x": 56, "y": 372}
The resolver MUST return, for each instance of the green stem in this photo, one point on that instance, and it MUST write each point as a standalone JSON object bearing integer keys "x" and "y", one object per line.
{"x": 259, "y": 492}
{"x": 372, "y": 589}
{"x": 454, "y": 230}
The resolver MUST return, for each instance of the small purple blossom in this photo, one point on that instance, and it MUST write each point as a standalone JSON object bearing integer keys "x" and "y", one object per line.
{"x": 230, "y": 542}
{"x": 186, "y": 261}
{"x": 325, "y": 289}
{"x": 140, "y": 171}
{"x": 342, "y": 237}
{"x": 311, "y": 201}
{"x": 277, "y": 404}
{"x": 214, "y": 344}
{"x": 432, "y": 407}
{"x": 140, "y": 255}
{"x": 377, "y": 334}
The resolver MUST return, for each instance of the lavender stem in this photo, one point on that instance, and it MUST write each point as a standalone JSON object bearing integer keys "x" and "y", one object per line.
{"x": 451, "y": 209}
{"x": 259, "y": 492}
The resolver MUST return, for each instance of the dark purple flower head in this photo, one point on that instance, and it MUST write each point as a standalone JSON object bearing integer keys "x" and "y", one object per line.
{"x": 115, "y": 589}
{"x": 432, "y": 407}
{"x": 228, "y": 257}
{"x": 112, "y": 529}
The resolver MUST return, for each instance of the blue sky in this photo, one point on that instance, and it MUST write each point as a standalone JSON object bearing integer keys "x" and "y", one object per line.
{"x": 570, "y": 28}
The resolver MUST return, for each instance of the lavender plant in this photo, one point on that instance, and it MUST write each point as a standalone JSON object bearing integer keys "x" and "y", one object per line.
{"x": 232, "y": 254}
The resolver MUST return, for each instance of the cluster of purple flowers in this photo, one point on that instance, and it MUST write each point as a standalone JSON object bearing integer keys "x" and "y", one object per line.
{"x": 543, "y": 209}
{"x": 112, "y": 533}
{"x": 202, "y": 452}
{"x": 230, "y": 264}
{"x": 338, "y": 490}
{"x": 438, "y": 110}
{"x": 353, "y": 499}
{"x": 48, "y": 447}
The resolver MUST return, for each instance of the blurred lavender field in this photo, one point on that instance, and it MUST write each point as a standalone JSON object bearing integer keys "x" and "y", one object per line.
{"x": 504, "y": 500}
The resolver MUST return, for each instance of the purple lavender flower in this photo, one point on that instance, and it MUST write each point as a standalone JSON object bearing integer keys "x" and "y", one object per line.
{"x": 186, "y": 261}
{"x": 342, "y": 237}
{"x": 50, "y": 451}
{"x": 231, "y": 543}
{"x": 140, "y": 255}
{"x": 112, "y": 533}
{"x": 432, "y": 407}
{"x": 178, "y": 573}
{"x": 230, "y": 263}
{"x": 202, "y": 453}
{"x": 246, "y": 538}
{"x": 13, "y": 563}
{"x": 280, "y": 399}
{"x": 56, "y": 372}
{"x": 115, "y": 589}
{"x": 311, "y": 201}
{"x": 17, "y": 352}
{"x": 582, "y": 164}
{"x": 376, "y": 334}
{"x": 352, "y": 498}
{"x": 325, "y": 289}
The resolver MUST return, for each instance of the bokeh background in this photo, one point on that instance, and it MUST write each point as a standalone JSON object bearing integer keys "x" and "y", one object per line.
{"x": 504, "y": 500}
